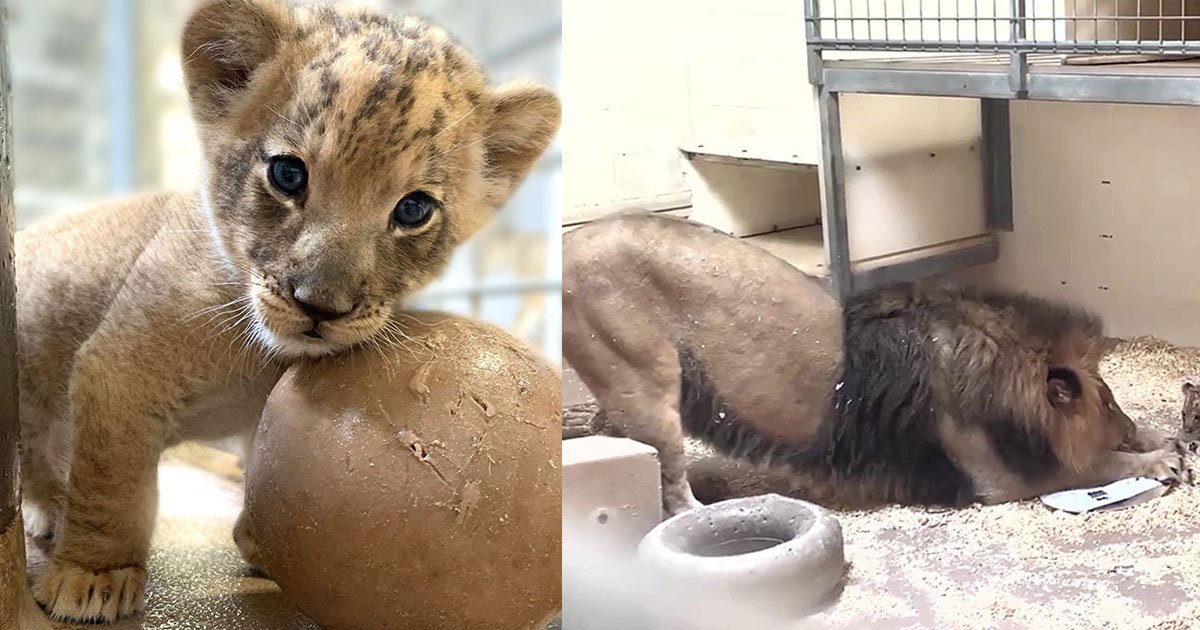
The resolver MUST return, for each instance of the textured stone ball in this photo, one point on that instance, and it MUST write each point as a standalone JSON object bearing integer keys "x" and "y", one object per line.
{"x": 414, "y": 485}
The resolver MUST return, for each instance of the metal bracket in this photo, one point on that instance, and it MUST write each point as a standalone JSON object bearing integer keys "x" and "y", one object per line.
{"x": 833, "y": 195}
{"x": 996, "y": 151}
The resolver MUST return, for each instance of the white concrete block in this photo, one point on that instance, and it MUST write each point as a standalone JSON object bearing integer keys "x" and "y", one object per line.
{"x": 612, "y": 497}
{"x": 612, "y": 491}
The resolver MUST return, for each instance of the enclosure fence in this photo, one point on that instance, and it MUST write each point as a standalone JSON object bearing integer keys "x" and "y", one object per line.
{"x": 1023, "y": 26}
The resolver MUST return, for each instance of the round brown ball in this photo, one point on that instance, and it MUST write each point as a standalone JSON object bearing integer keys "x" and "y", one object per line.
{"x": 414, "y": 484}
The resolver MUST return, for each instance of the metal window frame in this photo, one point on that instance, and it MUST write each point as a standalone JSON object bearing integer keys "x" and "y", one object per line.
{"x": 1009, "y": 76}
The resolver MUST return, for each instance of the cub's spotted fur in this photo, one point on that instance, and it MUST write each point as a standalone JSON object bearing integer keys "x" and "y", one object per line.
{"x": 347, "y": 154}
{"x": 1189, "y": 429}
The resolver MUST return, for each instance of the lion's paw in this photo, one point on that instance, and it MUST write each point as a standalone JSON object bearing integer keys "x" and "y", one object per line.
{"x": 72, "y": 593}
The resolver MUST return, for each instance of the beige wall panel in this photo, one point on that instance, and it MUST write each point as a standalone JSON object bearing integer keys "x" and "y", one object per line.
{"x": 748, "y": 79}
{"x": 913, "y": 172}
{"x": 625, "y": 107}
{"x": 747, "y": 200}
{"x": 1122, "y": 248}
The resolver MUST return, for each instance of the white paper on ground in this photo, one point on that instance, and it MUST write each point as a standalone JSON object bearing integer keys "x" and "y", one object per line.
{"x": 1090, "y": 499}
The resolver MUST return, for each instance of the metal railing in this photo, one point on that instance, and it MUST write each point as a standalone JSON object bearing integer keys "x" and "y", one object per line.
{"x": 1158, "y": 27}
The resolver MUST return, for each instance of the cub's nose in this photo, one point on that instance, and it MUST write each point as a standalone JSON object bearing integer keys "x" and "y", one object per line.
{"x": 321, "y": 308}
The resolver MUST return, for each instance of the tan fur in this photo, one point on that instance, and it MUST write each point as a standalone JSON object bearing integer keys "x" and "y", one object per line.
{"x": 624, "y": 307}
{"x": 646, "y": 297}
{"x": 168, "y": 317}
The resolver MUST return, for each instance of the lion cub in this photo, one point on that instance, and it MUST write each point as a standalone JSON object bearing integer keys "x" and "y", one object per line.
{"x": 1189, "y": 428}
{"x": 346, "y": 154}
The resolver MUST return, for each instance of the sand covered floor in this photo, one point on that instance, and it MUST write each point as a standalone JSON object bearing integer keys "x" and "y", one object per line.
{"x": 198, "y": 579}
{"x": 1018, "y": 565}
{"x": 1023, "y": 565}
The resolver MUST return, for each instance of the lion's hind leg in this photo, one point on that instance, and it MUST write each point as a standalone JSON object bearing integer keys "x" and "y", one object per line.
{"x": 636, "y": 385}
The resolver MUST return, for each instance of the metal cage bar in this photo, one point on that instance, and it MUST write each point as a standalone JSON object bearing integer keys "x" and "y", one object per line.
{"x": 1022, "y": 26}
{"x": 833, "y": 195}
{"x": 996, "y": 138}
{"x": 996, "y": 52}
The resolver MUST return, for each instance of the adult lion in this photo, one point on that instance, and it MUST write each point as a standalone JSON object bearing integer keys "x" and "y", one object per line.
{"x": 914, "y": 393}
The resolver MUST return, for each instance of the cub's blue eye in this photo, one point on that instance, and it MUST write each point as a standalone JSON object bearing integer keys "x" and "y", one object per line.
{"x": 414, "y": 210}
{"x": 288, "y": 174}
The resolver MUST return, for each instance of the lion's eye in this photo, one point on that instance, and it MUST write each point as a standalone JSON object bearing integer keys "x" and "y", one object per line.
{"x": 288, "y": 174}
{"x": 414, "y": 210}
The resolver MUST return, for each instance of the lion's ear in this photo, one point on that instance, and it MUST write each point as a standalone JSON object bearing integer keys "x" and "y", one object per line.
{"x": 522, "y": 122}
{"x": 1063, "y": 386}
{"x": 224, "y": 42}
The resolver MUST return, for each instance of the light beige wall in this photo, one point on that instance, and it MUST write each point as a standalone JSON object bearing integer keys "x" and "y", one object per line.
{"x": 913, "y": 172}
{"x": 1103, "y": 201}
{"x": 625, "y": 105}
{"x": 1102, "y": 194}
{"x": 732, "y": 77}
{"x": 747, "y": 77}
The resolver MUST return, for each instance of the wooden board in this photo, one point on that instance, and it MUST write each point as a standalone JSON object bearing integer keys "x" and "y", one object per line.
{"x": 803, "y": 248}
{"x": 1113, "y": 60}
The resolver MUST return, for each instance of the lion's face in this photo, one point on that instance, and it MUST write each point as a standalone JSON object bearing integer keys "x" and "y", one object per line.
{"x": 358, "y": 153}
{"x": 1121, "y": 425}
{"x": 1090, "y": 419}
{"x": 352, "y": 198}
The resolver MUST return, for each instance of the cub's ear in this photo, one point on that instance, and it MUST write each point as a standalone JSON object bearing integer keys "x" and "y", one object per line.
{"x": 1063, "y": 386}
{"x": 1188, "y": 387}
{"x": 224, "y": 42}
{"x": 524, "y": 118}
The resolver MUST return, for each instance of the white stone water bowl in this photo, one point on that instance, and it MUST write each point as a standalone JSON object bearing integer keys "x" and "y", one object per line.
{"x": 768, "y": 557}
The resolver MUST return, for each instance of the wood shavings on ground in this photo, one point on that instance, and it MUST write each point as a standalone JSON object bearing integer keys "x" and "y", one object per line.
{"x": 1023, "y": 565}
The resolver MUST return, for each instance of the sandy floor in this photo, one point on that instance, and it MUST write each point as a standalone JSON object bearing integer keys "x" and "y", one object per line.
{"x": 197, "y": 578}
{"x": 1025, "y": 566}
{"x": 1022, "y": 565}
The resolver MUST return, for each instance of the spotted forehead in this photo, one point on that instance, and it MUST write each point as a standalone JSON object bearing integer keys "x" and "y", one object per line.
{"x": 376, "y": 88}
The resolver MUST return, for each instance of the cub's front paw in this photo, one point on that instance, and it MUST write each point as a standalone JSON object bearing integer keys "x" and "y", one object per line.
{"x": 1185, "y": 446}
{"x": 72, "y": 593}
